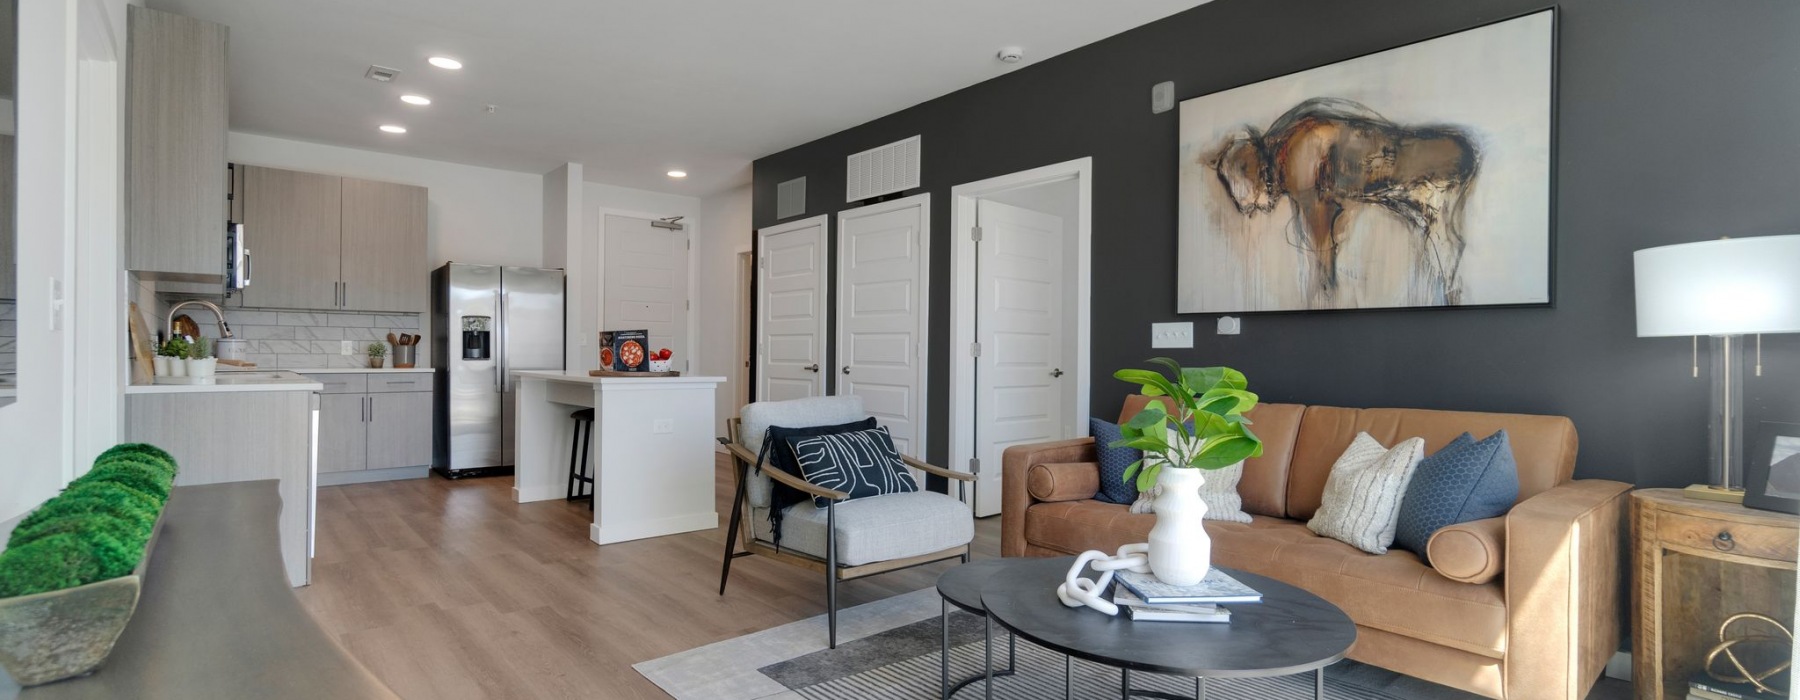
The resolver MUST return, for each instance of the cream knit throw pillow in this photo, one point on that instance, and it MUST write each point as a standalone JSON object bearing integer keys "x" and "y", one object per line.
{"x": 1361, "y": 504}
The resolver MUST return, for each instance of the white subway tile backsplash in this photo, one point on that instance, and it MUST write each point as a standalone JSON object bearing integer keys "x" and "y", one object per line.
{"x": 237, "y": 317}
{"x": 302, "y": 361}
{"x": 248, "y": 332}
{"x": 352, "y": 320}
{"x": 7, "y": 312}
{"x": 317, "y": 333}
{"x": 282, "y": 347}
{"x": 301, "y": 318}
{"x": 288, "y": 339}
{"x": 409, "y": 322}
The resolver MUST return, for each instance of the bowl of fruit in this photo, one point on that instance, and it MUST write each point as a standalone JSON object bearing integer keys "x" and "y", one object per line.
{"x": 659, "y": 360}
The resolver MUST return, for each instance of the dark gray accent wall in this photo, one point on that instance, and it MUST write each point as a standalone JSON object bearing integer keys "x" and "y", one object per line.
{"x": 1676, "y": 122}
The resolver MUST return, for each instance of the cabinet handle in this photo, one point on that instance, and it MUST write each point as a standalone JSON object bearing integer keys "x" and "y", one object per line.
{"x": 1724, "y": 542}
{"x": 371, "y": 409}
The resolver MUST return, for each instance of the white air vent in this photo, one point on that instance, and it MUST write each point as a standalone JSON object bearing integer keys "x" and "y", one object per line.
{"x": 790, "y": 198}
{"x": 883, "y": 170}
{"x": 382, "y": 74}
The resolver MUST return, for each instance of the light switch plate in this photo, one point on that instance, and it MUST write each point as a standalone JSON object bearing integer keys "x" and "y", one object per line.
{"x": 346, "y": 348}
{"x": 1172, "y": 335}
{"x": 1230, "y": 325}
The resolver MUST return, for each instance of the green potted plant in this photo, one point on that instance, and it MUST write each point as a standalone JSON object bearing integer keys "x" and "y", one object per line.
{"x": 171, "y": 358}
{"x": 377, "y": 353}
{"x": 1206, "y": 430}
{"x": 200, "y": 362}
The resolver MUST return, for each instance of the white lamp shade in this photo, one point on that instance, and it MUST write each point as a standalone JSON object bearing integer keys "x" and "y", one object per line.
{"x": 1734, "y": 286}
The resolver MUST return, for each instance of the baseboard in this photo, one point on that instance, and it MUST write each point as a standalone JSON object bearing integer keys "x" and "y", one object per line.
{"x": 372, "y": 475}
{"x": 1619, "y": 666}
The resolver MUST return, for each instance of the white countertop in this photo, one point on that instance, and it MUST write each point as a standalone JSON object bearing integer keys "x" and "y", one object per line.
{"x": 354, "y": 370}
{"x": 255, "y": 380}
{"x": 581, "y": 377}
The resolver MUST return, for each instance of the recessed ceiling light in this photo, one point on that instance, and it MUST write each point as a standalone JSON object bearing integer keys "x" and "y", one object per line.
{"x": 445, "y": 62}
{"x": 393, "y": 128}
{"x": 677, "y": 173}
{"x": 419, "y": 100}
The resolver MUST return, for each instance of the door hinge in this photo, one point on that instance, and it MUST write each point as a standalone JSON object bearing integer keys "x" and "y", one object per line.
{"x": 974, "y": 349}
{"x": 689, "y": 304}
{"x": 763, "y": 262}
{"x": 976, "y": 233}
{"x": 975, "y": 465}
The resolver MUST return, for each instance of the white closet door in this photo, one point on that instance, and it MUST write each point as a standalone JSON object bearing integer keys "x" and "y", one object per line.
{"x": 647, "y": 283}
{"x": 1019, "y": 324}
{"x": 883, "y": 272}
{"x": 790, "y": 310}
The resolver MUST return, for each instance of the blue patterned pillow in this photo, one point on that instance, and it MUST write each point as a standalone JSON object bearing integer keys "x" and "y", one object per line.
{"x": 861, "y": 463}
{"x": 1465, "y": 481}
{"x": 1113, "y": 462}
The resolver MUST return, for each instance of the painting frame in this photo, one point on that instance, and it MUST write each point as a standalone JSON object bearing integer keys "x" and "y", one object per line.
{"x": 1550, "y": 179}
{"x": 1773, "y": 438}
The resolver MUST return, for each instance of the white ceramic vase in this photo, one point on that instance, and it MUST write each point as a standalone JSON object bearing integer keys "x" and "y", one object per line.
{"x": 177, "y": 367}
{"x": 202, "y": 367}
{"x": 1180, "y": 550}
{"x": 160, "y": 365}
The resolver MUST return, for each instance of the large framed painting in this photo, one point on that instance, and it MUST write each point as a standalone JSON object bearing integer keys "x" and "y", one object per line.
{"x": 1419, "y": 176}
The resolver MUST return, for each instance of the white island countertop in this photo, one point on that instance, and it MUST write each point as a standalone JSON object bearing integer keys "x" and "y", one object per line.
{"x": 258, "y": 380}
{"x": 582, "y": 377}
{"x": 356, "y": 370}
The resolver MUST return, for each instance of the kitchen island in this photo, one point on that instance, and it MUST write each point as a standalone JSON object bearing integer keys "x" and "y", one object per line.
{"x": 651, "y": 454}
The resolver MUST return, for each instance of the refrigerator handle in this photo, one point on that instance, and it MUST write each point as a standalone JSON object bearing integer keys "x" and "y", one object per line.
{"x": 505, "y": 341}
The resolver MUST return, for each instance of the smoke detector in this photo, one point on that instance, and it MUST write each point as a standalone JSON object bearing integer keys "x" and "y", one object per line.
{"x": 1011, "y": 54}
{"x": 382, "y": 74}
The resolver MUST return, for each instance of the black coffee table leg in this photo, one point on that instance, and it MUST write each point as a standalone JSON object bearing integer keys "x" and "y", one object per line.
{"x": 1319, "y": 684}
{"x": 1199, "y": 689}
{"x": 946, "y": 690}
{"x": 1068, "y": 673}
{"x": 944, "y": 657}
{"x": 988, "y": 653}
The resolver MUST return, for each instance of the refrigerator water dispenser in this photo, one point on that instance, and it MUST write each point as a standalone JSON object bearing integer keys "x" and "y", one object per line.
{"x": 477, "y": 337}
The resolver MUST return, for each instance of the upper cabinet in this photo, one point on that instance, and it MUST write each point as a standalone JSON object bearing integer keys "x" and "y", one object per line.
{"x": 328, "y": 242}
{"x": 175, "y": 138}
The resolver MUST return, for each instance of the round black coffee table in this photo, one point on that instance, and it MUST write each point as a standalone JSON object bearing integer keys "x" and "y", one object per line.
{"x": 961, "y": 586}
{"x": 1289, "y": 632}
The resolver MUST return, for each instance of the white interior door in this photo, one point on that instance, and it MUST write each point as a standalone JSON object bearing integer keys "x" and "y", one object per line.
{"x": 1019, "y": 396}
{"x": 790, "y": 310}
{"x": 647, "y": 283}
{"x": 883, "y": 272}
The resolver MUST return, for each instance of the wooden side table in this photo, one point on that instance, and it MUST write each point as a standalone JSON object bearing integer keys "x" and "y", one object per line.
{"x": 1697, "y": 563}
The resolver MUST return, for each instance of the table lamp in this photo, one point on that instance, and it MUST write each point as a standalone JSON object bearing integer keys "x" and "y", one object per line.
{"x": 1724, "y": 289}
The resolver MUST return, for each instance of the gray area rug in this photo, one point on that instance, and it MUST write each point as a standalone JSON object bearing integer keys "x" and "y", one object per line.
{"x": 888, "y": 649}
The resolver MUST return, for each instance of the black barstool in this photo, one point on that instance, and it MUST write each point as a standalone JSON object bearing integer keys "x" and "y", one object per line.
{"x": 581, "y": 482}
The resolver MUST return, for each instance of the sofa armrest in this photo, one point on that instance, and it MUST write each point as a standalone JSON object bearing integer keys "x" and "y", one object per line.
{"x": 1015, "y": 483}
{"x": 1563, "y": 562}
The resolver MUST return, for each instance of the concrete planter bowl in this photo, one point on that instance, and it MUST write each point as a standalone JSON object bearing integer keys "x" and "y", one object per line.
{"x": 47, "y": 637}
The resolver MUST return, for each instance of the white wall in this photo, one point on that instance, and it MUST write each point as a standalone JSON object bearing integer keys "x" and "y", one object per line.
{"x": 563, "y": 190}
{"x": 728, "y": 231}
{"x": 477, "y": 215}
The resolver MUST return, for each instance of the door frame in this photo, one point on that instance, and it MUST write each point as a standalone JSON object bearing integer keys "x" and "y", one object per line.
{"x": 962, "y": 272}
{"x": 690, "y": 227}
{"x": 921, "y": 349}
{"x": 823, "y": 221}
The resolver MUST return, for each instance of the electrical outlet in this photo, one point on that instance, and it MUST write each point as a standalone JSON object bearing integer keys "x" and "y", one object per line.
{"x": 1230, "y": 325}
{"x": 346, "y": 347}
{"x": 1172, "y": 335}
{"x": 662, "y": 426}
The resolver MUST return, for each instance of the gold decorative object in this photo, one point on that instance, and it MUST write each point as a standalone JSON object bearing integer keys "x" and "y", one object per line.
{"x": 1727, "y": 645}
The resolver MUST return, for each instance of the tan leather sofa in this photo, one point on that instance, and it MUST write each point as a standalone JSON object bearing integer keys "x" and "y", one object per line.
{"x": 1539, "y": 620}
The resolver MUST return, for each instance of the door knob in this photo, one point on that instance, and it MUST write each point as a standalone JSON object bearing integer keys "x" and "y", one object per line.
{"x": 814, "y": 367}
{"x": 1056, "y": 372}
{"x": 846, "y": 369}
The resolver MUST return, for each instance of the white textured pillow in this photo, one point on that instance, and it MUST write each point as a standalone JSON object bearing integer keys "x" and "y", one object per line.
{"x": 1218, "y": 491}
{"x": 1361, "y": 505}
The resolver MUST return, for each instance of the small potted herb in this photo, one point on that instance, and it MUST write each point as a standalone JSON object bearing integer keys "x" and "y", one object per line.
{"x": 200, "y": 362}
{"x": 377, "y": 353}
{"x": 171, "y": 358}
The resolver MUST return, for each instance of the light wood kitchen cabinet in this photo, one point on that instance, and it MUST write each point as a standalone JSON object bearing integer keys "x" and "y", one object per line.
{"x": 399, "y": 430}
{"x": 384, "y": 262}
{"x": 343, "y": 433}
{"x": 294, "y": 231}
{"x": 175, "y": 143}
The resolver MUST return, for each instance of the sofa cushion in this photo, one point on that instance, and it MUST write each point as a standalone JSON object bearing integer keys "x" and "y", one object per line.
{"x": 1543, "y": 446}
{"x": 1362, "y": 496}
{"x": 1113, "y": 462}
{"x": 1219, "y": 491}
{"x": 1065, "y": 481}
{"x": 1465, "y": 481}
{"x": 1265, "y": 482}
{"x": 880, "y": 528}
{"x": 1471, "y": 552}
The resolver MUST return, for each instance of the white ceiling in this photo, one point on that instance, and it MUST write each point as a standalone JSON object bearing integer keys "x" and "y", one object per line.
{"x": 628, "y": 88}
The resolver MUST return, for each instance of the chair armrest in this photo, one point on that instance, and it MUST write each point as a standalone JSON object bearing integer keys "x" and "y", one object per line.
{"x": 1015, "y": 483}
{"x": 746, "y": 461}
{"x": 1563, "y": 556}
{"x": 932, "y": 469}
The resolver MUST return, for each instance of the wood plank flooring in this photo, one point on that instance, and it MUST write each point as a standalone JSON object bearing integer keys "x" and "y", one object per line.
{"x": 448, "y": 589}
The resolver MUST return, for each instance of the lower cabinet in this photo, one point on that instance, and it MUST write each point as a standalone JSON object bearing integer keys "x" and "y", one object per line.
{"x": 370, "y": 422}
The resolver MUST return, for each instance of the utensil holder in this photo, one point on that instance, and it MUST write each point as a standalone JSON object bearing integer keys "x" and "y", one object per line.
{"x": 404, "y": 356}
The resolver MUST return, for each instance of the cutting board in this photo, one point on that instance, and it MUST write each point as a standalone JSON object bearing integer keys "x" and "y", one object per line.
{"x": 613, "y": 373}
{"x": 143, "y": 370}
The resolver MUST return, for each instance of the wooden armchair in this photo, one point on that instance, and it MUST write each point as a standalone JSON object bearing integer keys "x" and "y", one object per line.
{"x": 845, "y": 540}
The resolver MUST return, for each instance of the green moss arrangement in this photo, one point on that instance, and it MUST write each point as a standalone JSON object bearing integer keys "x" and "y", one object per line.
{"x": 49, "y": 564}
{"x": 138, "y": 475}
{"x": 94, "y": 530}
{"x": 139, "y": 450}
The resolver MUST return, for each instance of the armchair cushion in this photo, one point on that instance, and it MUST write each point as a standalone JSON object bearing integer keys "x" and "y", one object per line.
{"x": 813, "y": 412}
{"x": 881, "y": 528}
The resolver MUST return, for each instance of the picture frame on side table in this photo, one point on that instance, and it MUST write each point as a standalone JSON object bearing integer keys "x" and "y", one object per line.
{"x": 1772, "y": 471}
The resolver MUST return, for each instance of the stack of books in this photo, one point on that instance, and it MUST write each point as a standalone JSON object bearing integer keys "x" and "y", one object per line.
{"x": 1146, "y": 599}
{"x": 1705, "y": 687}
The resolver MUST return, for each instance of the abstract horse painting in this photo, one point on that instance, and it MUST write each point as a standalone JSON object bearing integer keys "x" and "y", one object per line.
{"x": 1414, "y": 177}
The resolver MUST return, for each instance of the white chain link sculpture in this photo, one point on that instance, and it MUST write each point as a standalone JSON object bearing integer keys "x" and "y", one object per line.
{"x": 1076, "y": 591}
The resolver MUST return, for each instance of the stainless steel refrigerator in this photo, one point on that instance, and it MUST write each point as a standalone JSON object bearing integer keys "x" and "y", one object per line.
{"x": 488, "y": 321}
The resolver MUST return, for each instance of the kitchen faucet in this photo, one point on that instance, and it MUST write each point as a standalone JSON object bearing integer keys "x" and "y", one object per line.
{"x": 169, "y": 322}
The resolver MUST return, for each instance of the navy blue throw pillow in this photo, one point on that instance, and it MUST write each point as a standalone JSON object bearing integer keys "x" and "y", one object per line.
{"x": 1113, "y": 462}
{"x": 1465, "y": 481}
{"x": 863, "y": 463}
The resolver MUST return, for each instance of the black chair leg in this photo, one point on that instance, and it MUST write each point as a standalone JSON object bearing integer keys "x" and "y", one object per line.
{"x": 731, "y": 535}
{"x": 574, "y": 454}
{"x": 831, "y": 578}
{"x": 587, "y": 439}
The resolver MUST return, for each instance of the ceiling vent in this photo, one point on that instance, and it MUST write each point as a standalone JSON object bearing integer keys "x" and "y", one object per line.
{"x": 790, "y": 198}
{"x": 382, "y": 74}
{"x": 883, "y": 170}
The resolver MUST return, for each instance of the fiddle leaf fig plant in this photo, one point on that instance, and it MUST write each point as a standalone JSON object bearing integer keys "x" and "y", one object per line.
{"x": 1206, "y": 430}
